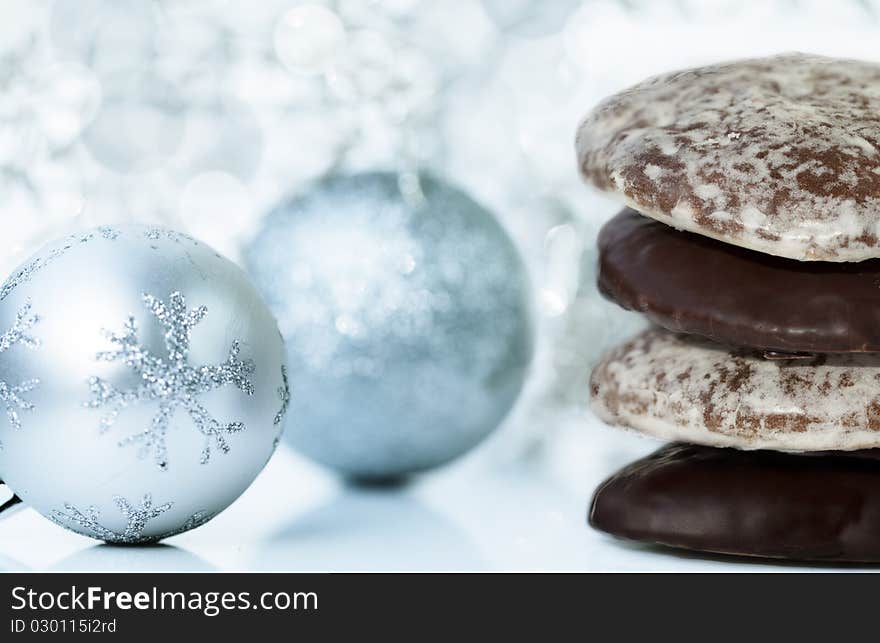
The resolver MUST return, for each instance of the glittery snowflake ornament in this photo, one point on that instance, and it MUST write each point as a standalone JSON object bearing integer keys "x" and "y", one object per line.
{"x": 11, "y": 394}
{"x": 171, "y": 382}
{"x": 143, "y": 379}
{"x": 136, "y": 519}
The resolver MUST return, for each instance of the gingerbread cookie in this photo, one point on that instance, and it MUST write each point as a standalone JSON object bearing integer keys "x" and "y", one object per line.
{"x": 780, "y": 154}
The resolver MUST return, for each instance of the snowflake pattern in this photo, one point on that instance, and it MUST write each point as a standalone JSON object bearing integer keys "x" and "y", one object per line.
{"x": 136, "y": 519}
{"x": 108, "y": 233}
{"x": 36, "y": 264}
{"x": 11, "y": 395}
{"x": 284, "y": 394}
{"x": 158, "y": 234}
{"x": 172, "y": 382}
{"x": 198, "y": 519}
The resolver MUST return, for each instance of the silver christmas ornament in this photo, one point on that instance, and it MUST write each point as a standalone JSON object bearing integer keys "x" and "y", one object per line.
{"x": 405, "y": 310}
{"x": 143, "y": 381}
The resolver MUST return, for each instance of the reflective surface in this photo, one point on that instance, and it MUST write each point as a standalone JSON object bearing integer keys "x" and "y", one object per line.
{"x": 477, "y": 515}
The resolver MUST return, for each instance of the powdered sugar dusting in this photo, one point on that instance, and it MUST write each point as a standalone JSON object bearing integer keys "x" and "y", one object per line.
{"x": 776, "y": 154}
{"x": 688, "y": 389}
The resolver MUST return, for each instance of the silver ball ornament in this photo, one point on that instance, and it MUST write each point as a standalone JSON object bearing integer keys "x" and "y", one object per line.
{"x": 404, "y": 306}
{"x": 143, "y": 381}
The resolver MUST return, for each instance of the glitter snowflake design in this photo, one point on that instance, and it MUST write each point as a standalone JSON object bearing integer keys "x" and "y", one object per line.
{"x": 11, "y": 395}
{"x": 284, "y": 394}
{"x": 198, "y": 519}
{"x": 136, "y": 521}
{"x": 35, "y": 265}
{"x": 108, "y": 233}
{"x": 158, "y": 234}
{"x": 172, "y": 381}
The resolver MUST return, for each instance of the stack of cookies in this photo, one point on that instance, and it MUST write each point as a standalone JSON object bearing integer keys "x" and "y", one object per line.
{"x": 751, "y": 240}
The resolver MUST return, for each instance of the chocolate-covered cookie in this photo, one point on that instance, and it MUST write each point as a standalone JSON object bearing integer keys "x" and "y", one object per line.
{"x": 685, "y": 388}
{"x": 693, "y": 284}
{"x": 751, "y": 503}
{"x": 779, "y": 154}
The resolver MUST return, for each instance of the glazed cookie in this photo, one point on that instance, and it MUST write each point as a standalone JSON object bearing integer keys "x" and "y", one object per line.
{"x": 757, "y": 503}
{"x": 691, "y": 284}
{"x": 779, "y": 154}
{"x": 684, "y": 388}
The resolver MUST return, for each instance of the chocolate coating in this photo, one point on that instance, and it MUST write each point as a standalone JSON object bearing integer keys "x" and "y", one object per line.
{"x": 820, "y": 507}
{"x": 692, "y": 284}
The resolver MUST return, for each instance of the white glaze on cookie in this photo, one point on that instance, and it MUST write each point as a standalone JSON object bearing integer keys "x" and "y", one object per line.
{"x": 683, "y": 388}
{"x": 779, "y": 154}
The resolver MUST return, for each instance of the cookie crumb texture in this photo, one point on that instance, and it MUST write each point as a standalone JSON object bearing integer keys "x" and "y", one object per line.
{"x": 776, "y": 154}
{"x": 685, "y": 388}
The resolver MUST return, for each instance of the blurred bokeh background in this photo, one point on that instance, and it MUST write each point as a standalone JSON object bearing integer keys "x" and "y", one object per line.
{"x": 204, "y": 114}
